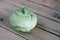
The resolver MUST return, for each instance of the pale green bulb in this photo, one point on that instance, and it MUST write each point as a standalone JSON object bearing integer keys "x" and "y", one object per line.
{"x": 23, "y": 20}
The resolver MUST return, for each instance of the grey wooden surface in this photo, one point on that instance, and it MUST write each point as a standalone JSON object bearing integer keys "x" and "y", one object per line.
{"x": 6, "y": 35}
{"x": 55, "y": 4}
{"x": 46, "y": 19}
{"x": 40, "y": 9}
{"x": 44, "y": 15}
{"x": 35, "y": 34}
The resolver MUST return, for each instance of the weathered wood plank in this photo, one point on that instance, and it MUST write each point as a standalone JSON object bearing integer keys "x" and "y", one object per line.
{"x": 55, "y": 4}
{"x": 6, "y": 6}
{"x": 49, "y": 24}
{"x": 6, "y": 35}
{"x": 6, "y": 24}
{"x": 43, "y": 11}
{"x": 58, "y": 0}
{"x": 41, "y": 20}
{"x": 47, "y": 12}
{"x": 36, "y": 34}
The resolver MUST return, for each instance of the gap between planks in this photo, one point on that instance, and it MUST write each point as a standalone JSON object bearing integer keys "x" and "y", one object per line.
{"x": 47, "y": 24}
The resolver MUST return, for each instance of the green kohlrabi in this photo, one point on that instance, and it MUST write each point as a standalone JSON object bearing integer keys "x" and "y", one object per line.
{"x": 23, "y": 20}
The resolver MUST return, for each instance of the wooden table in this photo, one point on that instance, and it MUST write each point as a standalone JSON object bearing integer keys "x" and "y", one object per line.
{"x": 48, "y": 27}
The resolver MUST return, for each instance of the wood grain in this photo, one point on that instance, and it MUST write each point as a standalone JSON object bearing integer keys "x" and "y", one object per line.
{"x": 43, "y": 11}
{"x": 6, "y": 35}
{"x": 6, "y": 8}
{"x": 35, "y": 34}
{"x": 55, "y": 4}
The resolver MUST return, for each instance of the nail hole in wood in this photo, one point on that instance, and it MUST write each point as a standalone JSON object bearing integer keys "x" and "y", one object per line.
{"x": 1, "y": 19}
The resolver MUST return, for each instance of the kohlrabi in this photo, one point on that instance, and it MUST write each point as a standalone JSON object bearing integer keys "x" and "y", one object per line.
{"x": 23, "y": 20}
